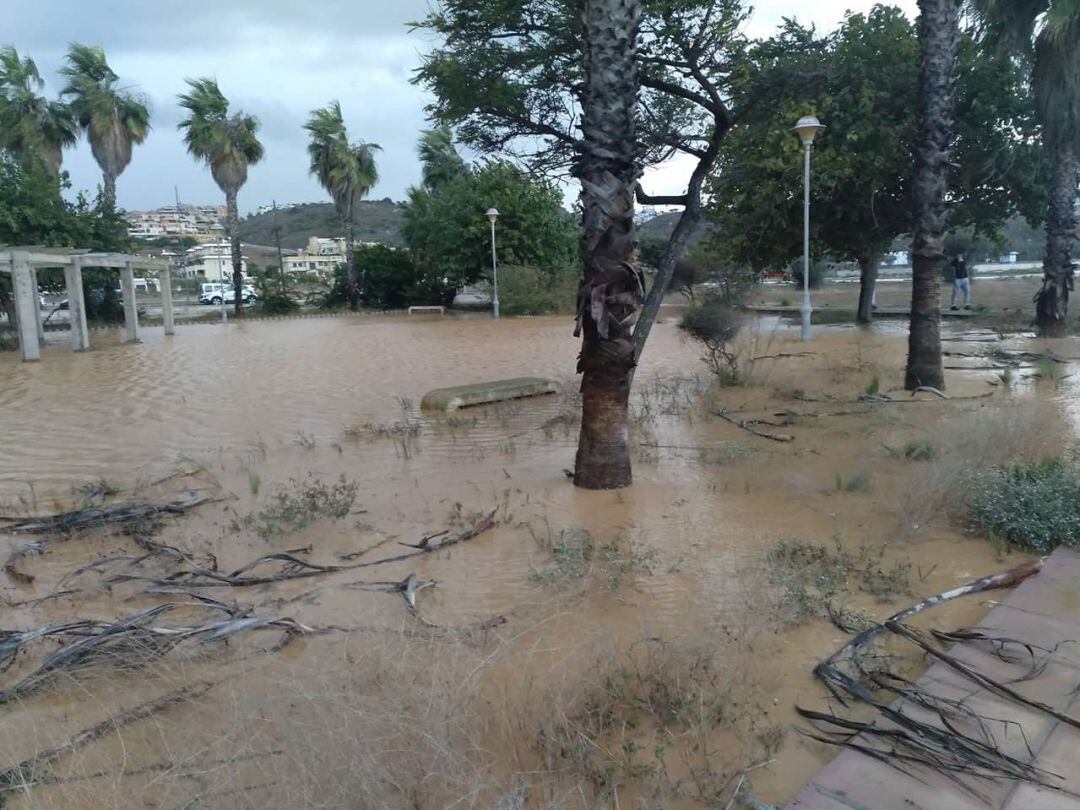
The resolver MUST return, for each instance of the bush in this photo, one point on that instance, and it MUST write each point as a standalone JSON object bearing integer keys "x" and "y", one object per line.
{"x": 528, "y": 290}
{"x": 715, "y": 325}
{"x": 391, "y": 281}
{"x": 817, "y": 272}
{"x": 1035, "y": 505}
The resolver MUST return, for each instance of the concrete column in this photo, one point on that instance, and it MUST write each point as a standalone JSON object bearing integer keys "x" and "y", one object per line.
{"x": 131, "y": 312}
{"x": 165, "y": 282}
{"x": 25, "y": 305}
{"x": 80, "y": 334}
{"x": 37, "y": 305}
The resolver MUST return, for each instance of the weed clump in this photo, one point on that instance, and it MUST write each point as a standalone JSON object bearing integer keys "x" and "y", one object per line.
{"x": 1035, "y": 505}
{"x": 815, "y": 581}
{"x": 572, "y": 556}
{"x": 715, "y": 325}
{"x": 919, "y": 450}
{"x": 301, "y": 504}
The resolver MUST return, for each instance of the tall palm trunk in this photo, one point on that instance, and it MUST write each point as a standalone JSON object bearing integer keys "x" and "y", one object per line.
{"x": 233, "y": 224}
{"x": 108, "y": 193}
{"x": 868, "y": 273}
{"x": 351, "y": 275}
{"x": 939, "y": 37}
{"x": 1052, "y": 301}
{"x": 612, "y": 289}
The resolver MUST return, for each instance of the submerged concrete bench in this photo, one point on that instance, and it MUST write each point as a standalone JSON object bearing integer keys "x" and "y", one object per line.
{"x": 464, "y": 396}
{"x": 426, "y": 311}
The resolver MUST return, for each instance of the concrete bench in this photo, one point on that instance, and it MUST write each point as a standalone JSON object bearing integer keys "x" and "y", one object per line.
{"x": 465, "y": 396}
{"x": 425, "y": 310}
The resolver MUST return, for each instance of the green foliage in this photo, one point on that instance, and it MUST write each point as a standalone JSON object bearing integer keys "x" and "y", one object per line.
{"x": 862, "y": 82}
{"x": 525, "y": 290}
{"x": 34, "y": 212}
{"x": 227, "y": 143}
{"x": 346, "y": 170}
{"x": 32, "y": 128}
{"x": 302, "y": 503}
{"x": 1033, "y": 505}
{"x": 816, "y": 581}
{"x": 919, "y": 450}
{"x": 449, "y": 235}
{"x": 817, "y": 272}
{"x": 393, "y": 281}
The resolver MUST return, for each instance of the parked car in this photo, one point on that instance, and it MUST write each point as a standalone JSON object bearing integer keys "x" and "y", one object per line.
{"x": 212, "y": 294}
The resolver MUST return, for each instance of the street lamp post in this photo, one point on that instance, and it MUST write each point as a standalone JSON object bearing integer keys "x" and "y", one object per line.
{"x": 492, "y": 215}
{"x": 219, "y": 230}
{"x": 807, "y": 128}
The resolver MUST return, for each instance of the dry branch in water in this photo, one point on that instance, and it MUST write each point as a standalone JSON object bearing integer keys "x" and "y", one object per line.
{"x": 131, "y": 640}
{"x": 749, "y": 426}
{"x": 94, "y": 517}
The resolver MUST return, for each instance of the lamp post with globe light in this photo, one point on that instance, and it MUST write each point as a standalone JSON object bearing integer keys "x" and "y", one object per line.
{"x": 493, "y": 214}
{"x": 807, "y": 128}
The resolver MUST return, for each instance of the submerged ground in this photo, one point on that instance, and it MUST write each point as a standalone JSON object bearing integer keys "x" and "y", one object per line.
{"x": 624, "y": 649}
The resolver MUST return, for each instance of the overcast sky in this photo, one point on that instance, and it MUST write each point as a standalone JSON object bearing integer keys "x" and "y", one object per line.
{"x": 276, "y": 59}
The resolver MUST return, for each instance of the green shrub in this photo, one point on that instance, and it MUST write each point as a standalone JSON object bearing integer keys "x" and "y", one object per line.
{"x": 529, "y": 290}
{"x": 817, "y": 272}
{"x": 1034, "y": 505}
{"x": 391, "y": 281}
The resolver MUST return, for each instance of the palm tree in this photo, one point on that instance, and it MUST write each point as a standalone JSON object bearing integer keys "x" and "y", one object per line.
{"x": 31, "y": 126}
{"x": 439, "y": 159}
{"x": 1045, "y": 33}
{"x": 612, "y": 289}
{"x": 939, "y": 37}
{"x": 228, "y": 144}
{"x": 113, "y": 119}
{"x": 347, "y": 172}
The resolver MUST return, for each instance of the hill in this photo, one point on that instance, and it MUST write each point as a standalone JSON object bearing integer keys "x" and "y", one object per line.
{"x": 376, "y": 221}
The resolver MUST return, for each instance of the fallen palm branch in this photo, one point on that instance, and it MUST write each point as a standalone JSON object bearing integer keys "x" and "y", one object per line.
{"x": 942, "y": 734}
{"x": 131, "y": 640}
{"x": 93, "y": 517}
{"x": 749, "y": 425}
{"x": 35, "y": 769}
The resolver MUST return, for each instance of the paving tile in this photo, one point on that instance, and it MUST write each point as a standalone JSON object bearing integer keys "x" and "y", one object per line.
{"x": 1054, "y": 591}
{"x": 1029, "y": 797}
{"x": 811, "y": 798}
{"x": 1010, "y": 622}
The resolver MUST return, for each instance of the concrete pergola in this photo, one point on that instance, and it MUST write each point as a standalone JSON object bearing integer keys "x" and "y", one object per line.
{"x": 24, "y": 262}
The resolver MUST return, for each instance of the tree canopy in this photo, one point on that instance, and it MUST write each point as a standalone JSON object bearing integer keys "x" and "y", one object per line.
{"x": 31, "y": 126}
{"x": 448, "y": 233}
{"x": 865, "y": 91}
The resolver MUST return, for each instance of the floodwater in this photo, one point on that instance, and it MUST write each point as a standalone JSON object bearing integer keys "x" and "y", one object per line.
{"x": 247, "y": 412}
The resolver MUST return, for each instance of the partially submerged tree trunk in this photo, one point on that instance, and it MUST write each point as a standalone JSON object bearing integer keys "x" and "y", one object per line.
{"x": 352, "y": 279}
{"x": 939, "y": 36}
{"x": 1052, "y": 300}
{"x": 612, "y": 289}
{"x": 233, "y": 220}
{"x": 868, "y": 272}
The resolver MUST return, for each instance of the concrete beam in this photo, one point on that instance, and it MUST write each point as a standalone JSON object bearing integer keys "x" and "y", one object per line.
{"x": 165, "y": 282}
{"x": 464, "y": 396}
{"x": 80, "y": 334}
{"x": 131, "y": 311}
{"x": 25, "y": 304}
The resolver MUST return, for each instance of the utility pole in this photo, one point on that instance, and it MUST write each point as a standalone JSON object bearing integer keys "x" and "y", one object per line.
{"x": 280, "y": 262}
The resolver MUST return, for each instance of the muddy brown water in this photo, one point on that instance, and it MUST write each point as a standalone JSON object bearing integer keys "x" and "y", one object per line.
{"x": 252, "y": 408}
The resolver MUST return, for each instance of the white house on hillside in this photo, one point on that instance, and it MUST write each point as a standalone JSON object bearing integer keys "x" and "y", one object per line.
{"x": 212, "y": 260}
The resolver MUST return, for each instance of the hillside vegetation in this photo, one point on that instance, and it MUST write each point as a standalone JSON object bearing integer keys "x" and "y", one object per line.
{"x": 376, "y": 221}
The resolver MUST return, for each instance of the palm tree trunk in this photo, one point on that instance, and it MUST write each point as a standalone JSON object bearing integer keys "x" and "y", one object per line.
{"x": 939, "y": 36}
{"x": 351, "y": 274}
{"x": 868, "y": 272}
{"x": 1052, "y": 301}
{"x": 108, "y": 194}
{"x": 233, "y": 225}
{"x": 612, "y": 289}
